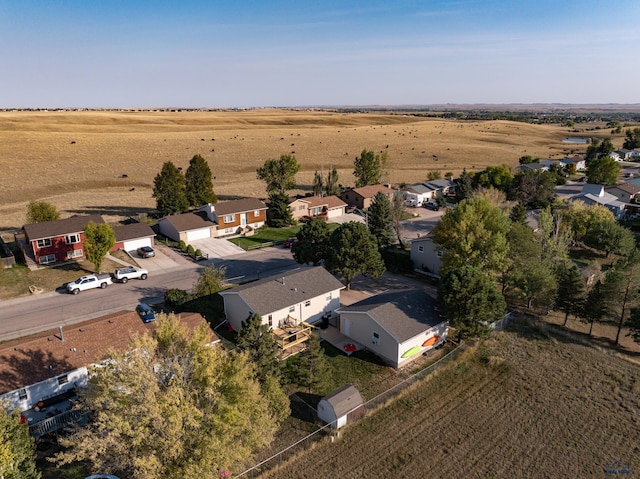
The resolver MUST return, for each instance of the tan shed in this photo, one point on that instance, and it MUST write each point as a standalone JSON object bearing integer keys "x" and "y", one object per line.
{"x": 341, "y": 406}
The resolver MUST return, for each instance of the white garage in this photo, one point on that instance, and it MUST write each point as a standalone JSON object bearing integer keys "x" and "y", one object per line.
{"x": 132, "y": 236}
{"x": 187, "y": 227}
{"x": 202, "y": 233}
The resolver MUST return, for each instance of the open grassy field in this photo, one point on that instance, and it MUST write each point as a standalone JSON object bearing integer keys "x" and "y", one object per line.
{"x": 530, "y": 402}
{"x": 76, "y": 160}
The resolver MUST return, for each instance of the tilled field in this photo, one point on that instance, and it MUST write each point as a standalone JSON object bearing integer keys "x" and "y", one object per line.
{"x": 527, "y": 403}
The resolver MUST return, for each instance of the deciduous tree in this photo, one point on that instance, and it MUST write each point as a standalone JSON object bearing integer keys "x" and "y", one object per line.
{"x": 312, "y": 242}
{"x": 98, "y": 240}
{"x": 353, "y": 250}
{"x": 380, "y": 220}
{"x": 198, "y": 183}
{"x": 621, "y": 290}
{"x": 17, "y": 447}
{"x": 280, "y": 174}
{"x": 211, "y": 281}
{"x": 632, "y": 139}
{"x": 369, "y": 168}
{"x": 169, "y": 190}
{"x": 398, "y": 210}
{"x": 533, "y": 188}
{"x": 171, "y": 407}
{"x": 498, "y": 177}
{"x": 39, "y": 211}
{"x": 332, "y": 187}
{"x": 471, "y": 300}
{"x": 571, "y": 290}
{"x": 595, "y": 308}
{"x": 611, "y": 237}
{"x": 603, "y": 171}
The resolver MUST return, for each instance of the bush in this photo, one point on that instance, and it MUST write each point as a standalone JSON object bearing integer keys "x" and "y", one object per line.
{"x": 198, "y": 253}
{"x": 190, "y": 250}
{"x": 396, "y": 260}
{"x": 182, "y": 245}
{"x": 176, "y": 297}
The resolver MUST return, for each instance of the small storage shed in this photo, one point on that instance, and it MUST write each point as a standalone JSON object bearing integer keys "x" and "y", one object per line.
{"x": 341, "y": 406}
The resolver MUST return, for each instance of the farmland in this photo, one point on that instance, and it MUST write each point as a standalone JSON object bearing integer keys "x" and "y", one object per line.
{"x": 530, "y": 402}
{"x": 72, "y": 158}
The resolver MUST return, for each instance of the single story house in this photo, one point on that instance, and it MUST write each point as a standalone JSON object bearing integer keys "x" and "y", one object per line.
{"x": 397, "y": 326}
{"x": 425, "y": 255}
{"x": 59, "y": 240}
{"x": 442, "y": 186}
{"x": 187, "y": 227}
{"x": 592, "y": 194}
{"x": 46, "y": 368}
{"x": 622, "y": 154}
{"x": 578, "y": 161}
{"x": 132, "y": 236}
{"x": 542, "y": 165}
{"x": 625, "y": 192}
{"x": 301, "y": 295}
{"x": 341, "y": 407}
{"x": 236, "y": 216}
{"x": 325, "y": 207}
{"x": 362, "y": 197}
{"x": 418, "y": 194}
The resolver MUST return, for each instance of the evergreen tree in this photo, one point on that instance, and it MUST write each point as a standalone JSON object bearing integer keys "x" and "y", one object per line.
{"x": 256, "y": 339}
{"x": 312, "y": 242}
{"x": 621, "y": 290}
{"x": 633, "y": 323}
{"x": 198, "y": 184}
{"x": 17, "y": 447}
{"x": 571, "y": 290}
{"x": 380, "y": 220}
{"x": 39, "y": 211}
{"x": 463, "y": 186}
{"x": 353, "y": 250}
{"x": 318, "y": 184}
{"x": 98, "y": 240}
{"x": 169, "y": 190}
{"x": 595, "y": 308}
{"x": 311, "y": 369}
{"x": 278, "y": 213}
{"x": 398, "y": 210}
{"x": 518, "y": 213}
{"x": 331, "y": 187}
{"x": 280, "y": 174}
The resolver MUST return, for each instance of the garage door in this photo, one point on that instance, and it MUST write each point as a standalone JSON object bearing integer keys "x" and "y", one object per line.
{"x": 133, "y": 245}
{"x": 198, "y": 234}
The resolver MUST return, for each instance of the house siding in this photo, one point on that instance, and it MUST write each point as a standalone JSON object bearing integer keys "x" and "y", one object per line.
{"x": 427, "y": 258}
{"x": 170, "y": 231}
{"x": 59, "y": 248}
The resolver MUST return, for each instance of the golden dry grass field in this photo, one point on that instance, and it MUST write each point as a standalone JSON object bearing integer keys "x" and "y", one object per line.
{"x": 530, "y": 402}
{"x": 76, "y": 160}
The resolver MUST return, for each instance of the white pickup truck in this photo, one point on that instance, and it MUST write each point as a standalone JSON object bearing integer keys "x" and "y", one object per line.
{"x": 125, "y": 274}
{"x": 90, "y": 281}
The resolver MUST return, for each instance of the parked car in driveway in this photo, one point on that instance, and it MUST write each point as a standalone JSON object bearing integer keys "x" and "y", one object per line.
{"x": 146, "y": 252}
{"x": 290, "y": 242}
{"x": 431, "y": 205}
{"x": 146, "y": 312}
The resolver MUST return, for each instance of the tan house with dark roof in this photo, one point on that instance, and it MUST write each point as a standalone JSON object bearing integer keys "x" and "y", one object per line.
{"x": 361, "y": 198}
{"x": 397, "y": 326}
{"x": 625, "y": 192}
{"x": 325, "y": 207}
{"x": 187, "y": 227}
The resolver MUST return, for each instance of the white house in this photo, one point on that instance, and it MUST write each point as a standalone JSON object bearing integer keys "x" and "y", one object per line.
{"x": 301, "y": 295}
{"x": 397, "y": 326}
{"x": 579, "y": 162}
{"x": 418, "y": 194}
{"x": 592, "y": 194}
{"x": 425, "y": 255}
{"x": 187, "y": 227}
{"x": 341, "y": 406}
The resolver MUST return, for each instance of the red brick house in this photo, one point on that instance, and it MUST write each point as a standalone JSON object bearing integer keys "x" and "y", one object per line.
{"x": 58, "y": 240}
{"x": 237, "y": 216}
{"x": 361, "y": 198}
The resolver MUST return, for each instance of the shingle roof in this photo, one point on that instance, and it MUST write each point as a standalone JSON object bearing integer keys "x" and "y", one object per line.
{"x": 132, "y": 231}
{"x": 372, "y": 190}
{"x": 281, "y": 291}
{"x": 43, "y": 356}
{"x": 403, "y": 314}
{"x": 629, "y": 188}
{"x": 189, "y": 221}
{"x": 239, "y": 206}
{"x": 439, "y": 184}
{"x": 419, "y": 189}
{"x": 344, "y": 399}
{"x": 50, "y": 229}
{"x": 330, "y": 201}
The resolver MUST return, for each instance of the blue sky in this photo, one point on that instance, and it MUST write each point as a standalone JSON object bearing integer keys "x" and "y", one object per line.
{"x": 218, "y": 53}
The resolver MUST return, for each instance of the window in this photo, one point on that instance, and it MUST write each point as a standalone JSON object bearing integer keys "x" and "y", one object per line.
{"x": 421, "y": 249}
{"x": 76, "y": 253}
{"x": 270, "y": 320}
{"x": 229, "y": 218}
{"x": 22, "y": 395}
{"x": 44, "y": 243}
{"x": 63, "y": 380}
{"x": 72, "y": 239}
{"x": 50, "y": 258}
{"x": 228, "y": 231}
{"x": 439, "y": 253}
{"x": 301, "y": 207}
{"x": 376, "y": 338}
{"x": 329, "y": 297}
{"x": 292, "y": 309}
{"x": 307, "y": 304}
{"x": 256, "y": 213}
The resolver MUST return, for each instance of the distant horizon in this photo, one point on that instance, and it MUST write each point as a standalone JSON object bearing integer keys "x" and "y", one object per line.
{"x": 286, "y": 54}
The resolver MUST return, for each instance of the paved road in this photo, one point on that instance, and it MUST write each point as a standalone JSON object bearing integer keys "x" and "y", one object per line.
{"x": 28, "y": 315}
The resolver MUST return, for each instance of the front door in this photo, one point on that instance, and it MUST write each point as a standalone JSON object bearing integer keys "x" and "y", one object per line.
{"x": 243, "y": 219}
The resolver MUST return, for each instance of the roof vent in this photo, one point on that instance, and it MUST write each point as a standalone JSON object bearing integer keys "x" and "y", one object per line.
{"x": 111, "y": 320}
{"x": 73, "y": 350}
{"x": 85, "y": 351}
{"x": 81, "y": 330}
{"x": 16, "y": 348}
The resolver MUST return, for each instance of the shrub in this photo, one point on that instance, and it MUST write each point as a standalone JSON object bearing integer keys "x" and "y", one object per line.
{"x": 198, "y": 253}
{"x": 191, "y": 250}
{"x": 182, "y": 245}
{"x": 396, "y": 260}
{"x": 176, "y": 297}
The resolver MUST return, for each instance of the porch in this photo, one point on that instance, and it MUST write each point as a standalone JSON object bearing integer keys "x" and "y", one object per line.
{"x": 292, "y": 336}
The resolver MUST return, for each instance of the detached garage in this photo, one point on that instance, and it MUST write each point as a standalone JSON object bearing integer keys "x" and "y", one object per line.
{"x": 133, "y": 236}
{"x": 187, "y": 227}
{"x": 342, "y": 406}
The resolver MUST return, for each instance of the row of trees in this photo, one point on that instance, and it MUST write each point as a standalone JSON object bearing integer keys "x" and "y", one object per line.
{"x": 175, "y": 192}
{"x": 489, "y": 255}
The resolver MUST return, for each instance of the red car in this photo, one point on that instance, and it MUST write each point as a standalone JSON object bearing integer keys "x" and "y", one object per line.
{"x": 290, "y": 242}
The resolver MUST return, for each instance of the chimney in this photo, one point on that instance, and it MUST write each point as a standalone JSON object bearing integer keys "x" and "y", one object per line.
{"x": 61, "y": 334}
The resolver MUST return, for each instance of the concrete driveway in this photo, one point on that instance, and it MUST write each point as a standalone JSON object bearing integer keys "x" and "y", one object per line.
{"x": 165, "y": 259}
{"x": 346, "y": 218}
{"x": 217, "y": 247}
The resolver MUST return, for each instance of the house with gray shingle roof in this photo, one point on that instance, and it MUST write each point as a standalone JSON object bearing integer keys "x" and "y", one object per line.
{"x": 362, "y": 197}
{"x": 187, "y": 227}
{"x": 397, "y": 326}
{"x": 301, "y": 295}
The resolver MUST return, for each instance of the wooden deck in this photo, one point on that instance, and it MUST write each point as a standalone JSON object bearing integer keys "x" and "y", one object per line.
{"x": 292, "y": 337}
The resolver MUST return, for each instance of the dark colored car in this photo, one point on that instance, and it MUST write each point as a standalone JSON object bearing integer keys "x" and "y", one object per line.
{"x": 432, "y": 205}
{"x": 146, "y": 312}
{"x": 146, "y": 252}
{"x": 290, "y": 242}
